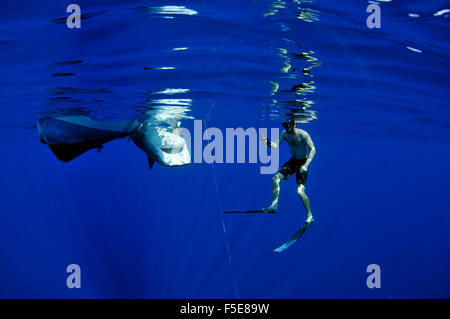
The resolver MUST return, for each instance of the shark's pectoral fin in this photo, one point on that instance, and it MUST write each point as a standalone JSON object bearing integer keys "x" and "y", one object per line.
{"x": 67, "y": 151}
{"x": 151, "y": 161}
{"x": 71, "y": 136}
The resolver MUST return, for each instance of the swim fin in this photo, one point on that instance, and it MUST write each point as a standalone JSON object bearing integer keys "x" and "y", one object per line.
{"x": 294, "y": 238}
{"x": 256, "y": 211}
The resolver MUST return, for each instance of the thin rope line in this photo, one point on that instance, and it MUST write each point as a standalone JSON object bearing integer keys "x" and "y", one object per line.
{"x": 223, "y": 226}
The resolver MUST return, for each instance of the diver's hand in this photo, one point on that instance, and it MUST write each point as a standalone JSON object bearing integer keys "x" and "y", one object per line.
{"x": 304, "y": 169}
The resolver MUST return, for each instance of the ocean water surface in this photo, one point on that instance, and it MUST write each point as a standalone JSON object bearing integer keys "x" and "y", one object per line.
{"x": 375, "y": 102}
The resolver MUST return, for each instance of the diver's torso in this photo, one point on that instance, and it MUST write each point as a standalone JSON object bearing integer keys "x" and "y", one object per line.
{"x": 297, "y": 145}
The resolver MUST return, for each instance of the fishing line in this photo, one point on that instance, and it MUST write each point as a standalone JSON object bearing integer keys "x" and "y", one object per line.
{"x": 223, "y": 225}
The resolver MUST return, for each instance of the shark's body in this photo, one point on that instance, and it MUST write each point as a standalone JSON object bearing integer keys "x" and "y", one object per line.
{"x": 71, "y": 136}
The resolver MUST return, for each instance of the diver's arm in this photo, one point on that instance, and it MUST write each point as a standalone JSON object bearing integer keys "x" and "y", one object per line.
{"x": 312, "y": 150}
{"x": 272, "y": 144}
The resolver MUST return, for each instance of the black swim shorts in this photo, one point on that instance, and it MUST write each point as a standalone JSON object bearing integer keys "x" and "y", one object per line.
{"x": 293, "y": 166}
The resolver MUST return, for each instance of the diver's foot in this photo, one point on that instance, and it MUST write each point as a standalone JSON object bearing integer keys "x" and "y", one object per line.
{"x": 271, "y": 210}
{"x": 310, "y": 220}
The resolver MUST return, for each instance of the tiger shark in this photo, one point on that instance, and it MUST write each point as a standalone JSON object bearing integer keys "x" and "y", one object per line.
{"x": 70, "y": 136}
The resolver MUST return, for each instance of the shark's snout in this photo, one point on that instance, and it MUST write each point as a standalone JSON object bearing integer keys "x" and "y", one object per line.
{"x": 174, "y": 155}
{"x": 165, "y": 147}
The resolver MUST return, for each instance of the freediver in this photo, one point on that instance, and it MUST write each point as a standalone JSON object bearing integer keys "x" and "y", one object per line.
{"x": 299, "y": 142}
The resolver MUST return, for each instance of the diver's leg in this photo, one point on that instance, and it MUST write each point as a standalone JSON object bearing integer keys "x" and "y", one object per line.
{"x": 305, "y": 201}
{"x": 275, "y": 192}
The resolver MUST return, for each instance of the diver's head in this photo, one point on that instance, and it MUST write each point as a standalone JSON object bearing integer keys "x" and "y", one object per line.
{"x": 289, "y": 125}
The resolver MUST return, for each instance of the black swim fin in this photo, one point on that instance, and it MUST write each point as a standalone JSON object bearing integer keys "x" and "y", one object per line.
{"x": 256, "y": 211}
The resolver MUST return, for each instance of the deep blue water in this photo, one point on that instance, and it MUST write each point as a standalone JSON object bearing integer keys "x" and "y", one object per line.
{"x": 375, "y": 102}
